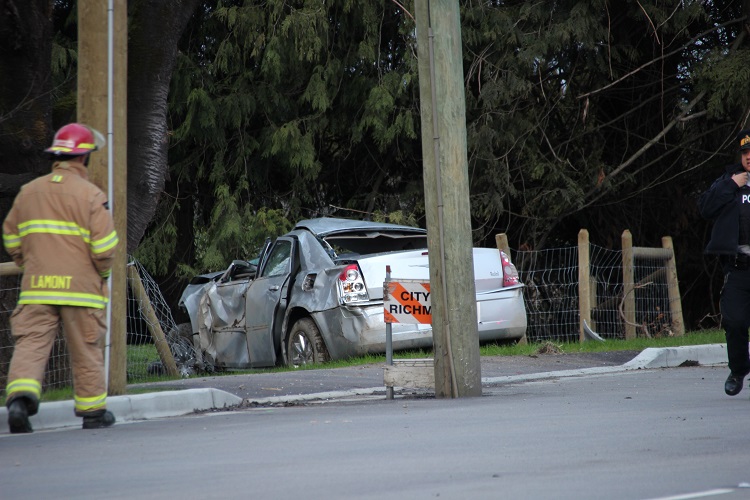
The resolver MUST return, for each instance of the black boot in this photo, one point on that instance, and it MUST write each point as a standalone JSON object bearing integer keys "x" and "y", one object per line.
{"x": 734, "y": 382}
{"x": 105, "y": 419}
{"x": 18, "y": 417}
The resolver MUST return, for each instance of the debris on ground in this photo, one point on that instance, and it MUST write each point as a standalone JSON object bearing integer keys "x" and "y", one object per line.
{"x": 549, "y": 348}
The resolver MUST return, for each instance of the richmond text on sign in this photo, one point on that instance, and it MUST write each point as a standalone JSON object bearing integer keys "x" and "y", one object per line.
{"x": 407, "y": 301}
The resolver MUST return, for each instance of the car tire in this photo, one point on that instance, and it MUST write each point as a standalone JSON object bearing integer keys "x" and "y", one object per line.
{"x": 305, "y": 345}
{"x": 185, "y": 330}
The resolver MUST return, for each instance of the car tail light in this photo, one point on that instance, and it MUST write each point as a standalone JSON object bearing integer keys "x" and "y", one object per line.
{"x": 352, "y": 286}
{"x": 510, "y": 273}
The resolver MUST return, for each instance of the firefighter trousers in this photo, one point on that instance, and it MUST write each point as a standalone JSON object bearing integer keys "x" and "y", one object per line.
{"x": 34, "y": 328}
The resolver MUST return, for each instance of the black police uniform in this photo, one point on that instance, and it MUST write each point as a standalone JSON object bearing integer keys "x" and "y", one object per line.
{"x": 729, "y": 207}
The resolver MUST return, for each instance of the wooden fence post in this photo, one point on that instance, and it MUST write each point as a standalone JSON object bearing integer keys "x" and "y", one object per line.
{"x": 10, "y": 269}
{"x": 501, "y": 240}
{"x": 584, "y": 273}
{"x": 673, "y": 289}
{"x": 628, "y": 285}
{"x": 160, "y": 340}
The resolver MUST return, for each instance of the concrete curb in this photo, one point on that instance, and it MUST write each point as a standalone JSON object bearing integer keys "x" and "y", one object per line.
{"x": 60, "y": 414}
{"x": 318, "y": 396}
{"x": 667, "y": 357}
{"x": 650, "y": 358}
{"x": 670, "y": 357}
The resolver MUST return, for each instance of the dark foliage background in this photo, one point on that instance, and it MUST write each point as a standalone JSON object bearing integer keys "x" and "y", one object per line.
{"x": 599, "y": 115}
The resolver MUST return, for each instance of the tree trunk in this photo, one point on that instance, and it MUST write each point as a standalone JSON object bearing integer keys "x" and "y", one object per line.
{"x": 25, "y": 120}
{"x": 155, "y": 30}
{"x": 25, "y": 85}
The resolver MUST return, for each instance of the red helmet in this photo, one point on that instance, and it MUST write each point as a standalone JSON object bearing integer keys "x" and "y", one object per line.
{"x": 74, "y": 139}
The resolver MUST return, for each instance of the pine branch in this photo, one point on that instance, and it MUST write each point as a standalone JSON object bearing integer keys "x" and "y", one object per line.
{"x": 664, "y": 56}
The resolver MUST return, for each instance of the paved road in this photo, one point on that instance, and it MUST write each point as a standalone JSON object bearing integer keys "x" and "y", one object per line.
{"x": 361, "y": 382}
{"x": 265, "y": 385}
{"x": 630, "y": 435}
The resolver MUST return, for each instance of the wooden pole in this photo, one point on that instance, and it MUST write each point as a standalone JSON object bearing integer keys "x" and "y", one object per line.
{"x": 673, "y": 289}
{"x": 584, "y": 280}
{"x": 92, "y": 79}
{"x": 144, "y": 304}
{"x": 628, "y": 284}
{"x": 446, "y": 181}
{"x": 10, "y": 269}
{"x": 93, "y": 110}
{"x": 119, "y": 140}
{"x": 501, "y": 241}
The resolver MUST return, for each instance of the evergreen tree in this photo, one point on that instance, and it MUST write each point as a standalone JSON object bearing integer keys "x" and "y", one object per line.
{"x": 598, "y": 114}
{"x": 288, "y": 110}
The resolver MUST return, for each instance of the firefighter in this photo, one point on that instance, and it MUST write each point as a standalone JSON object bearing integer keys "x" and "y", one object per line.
{"x": 61, "y": 233}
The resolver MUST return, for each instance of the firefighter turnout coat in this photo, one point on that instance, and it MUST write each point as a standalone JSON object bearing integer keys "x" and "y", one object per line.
{"x": 61, "y": 233}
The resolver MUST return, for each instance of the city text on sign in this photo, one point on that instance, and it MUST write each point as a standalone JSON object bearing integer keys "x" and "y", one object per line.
{"x": 407, "y": 301}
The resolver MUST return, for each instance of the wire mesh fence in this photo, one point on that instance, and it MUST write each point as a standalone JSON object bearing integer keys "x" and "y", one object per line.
{"x": 551, "y": 294}
{"x": 58, "y": 373}
{"x": 149, "y": 322}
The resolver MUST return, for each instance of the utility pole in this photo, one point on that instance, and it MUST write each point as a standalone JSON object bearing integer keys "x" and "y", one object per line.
{"x": 102, "y": 104}
{"x": 446, "y": 183}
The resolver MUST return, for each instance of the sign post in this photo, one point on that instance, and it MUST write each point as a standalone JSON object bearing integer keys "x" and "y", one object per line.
{"x": 404, "y": 301}
{"x": 388, "y": 332}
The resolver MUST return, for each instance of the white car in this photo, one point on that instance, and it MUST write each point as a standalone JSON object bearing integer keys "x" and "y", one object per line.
{"x": 316, "y": 294}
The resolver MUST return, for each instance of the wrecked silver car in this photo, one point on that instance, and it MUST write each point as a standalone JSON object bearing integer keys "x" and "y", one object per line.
{"x": 316, "y": 294}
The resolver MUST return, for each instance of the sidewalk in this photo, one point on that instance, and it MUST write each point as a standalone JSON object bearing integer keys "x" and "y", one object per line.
{"x": 185, "y": 396}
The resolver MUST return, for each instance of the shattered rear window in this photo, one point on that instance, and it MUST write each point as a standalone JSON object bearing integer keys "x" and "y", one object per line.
{"x": 370, "y": 242}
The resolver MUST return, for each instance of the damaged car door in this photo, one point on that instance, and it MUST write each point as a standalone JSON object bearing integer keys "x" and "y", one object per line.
{"x": 221, "y": 316}
{"x": 266, "y": 302}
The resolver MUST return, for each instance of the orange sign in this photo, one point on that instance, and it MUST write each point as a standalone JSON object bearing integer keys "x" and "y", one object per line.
{"x": 407, "y": 301}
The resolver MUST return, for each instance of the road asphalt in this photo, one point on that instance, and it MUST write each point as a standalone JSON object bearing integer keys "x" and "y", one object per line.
{"x": 353, "y": 384}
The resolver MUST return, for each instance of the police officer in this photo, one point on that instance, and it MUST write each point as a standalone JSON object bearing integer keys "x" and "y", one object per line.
{"x": 60, "y": 232}
{"x": 727, "y": 203}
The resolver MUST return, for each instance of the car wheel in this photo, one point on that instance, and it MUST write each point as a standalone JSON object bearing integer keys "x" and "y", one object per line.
{"x": 305, "y": 345}
{"x": 185, "y": 330}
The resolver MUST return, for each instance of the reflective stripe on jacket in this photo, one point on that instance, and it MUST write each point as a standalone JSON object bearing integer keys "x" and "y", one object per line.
{"x": 61, "y": 233}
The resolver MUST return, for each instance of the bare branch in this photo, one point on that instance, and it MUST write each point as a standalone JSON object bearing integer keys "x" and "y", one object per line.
{"x": 664, "y": 56}
{"x": 621, "y": 308}
{"x": 666, "y": 129}
{"x": 404, "y": 9}
{"x": 656, "y": 33}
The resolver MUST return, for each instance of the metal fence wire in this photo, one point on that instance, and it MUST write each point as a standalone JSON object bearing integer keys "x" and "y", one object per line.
{"x": 58, "y": 372}
{"x": 150, "y": 322}
{"x": 551, "y": 295}
{"x": 146, "y": 310}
